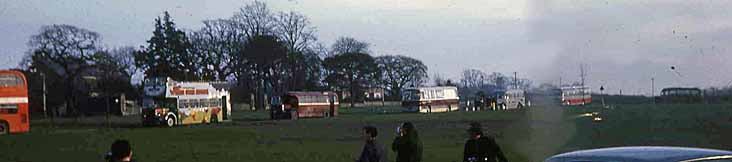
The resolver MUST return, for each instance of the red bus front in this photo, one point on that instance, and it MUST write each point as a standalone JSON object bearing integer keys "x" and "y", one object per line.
{"x": 13, "y": 102}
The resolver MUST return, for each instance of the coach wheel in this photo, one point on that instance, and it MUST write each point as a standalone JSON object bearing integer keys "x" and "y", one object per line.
{"x": 4, "y": 129}
{"x": 170, "y": 122}
{"x": 293, "y": 114}
{"x": 520, "y": 106}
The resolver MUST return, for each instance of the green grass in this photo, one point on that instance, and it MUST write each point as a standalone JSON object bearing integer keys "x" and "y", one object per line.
{"x": 529, "y": 135}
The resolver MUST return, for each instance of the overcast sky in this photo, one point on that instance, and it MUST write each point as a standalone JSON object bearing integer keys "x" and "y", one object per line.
{"x": 623, "y": 44}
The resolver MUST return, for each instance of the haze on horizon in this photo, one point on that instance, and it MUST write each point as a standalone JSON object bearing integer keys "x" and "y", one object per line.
{"x": 623, "y": 43}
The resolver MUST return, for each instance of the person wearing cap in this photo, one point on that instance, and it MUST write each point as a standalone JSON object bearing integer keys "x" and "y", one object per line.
{"x": 121, "y": 151}
{"x": 481, "y": 148}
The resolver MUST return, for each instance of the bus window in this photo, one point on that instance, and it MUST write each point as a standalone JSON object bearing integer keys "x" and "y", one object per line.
{"x": 205, "y": 103}
{"x": 198, "y": 103}
{"x": 209, "y": 103}
{"x": 183, "y": 104}
{"x": 8, "y": 108}
{"x": 193, "y": 103}
{"x": 10, "y": 81}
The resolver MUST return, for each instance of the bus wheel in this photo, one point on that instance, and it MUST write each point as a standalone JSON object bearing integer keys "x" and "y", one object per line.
{"x": 170, "y": 122}
{"x": 293, "y": 115}
{"x": 4, "y": 129}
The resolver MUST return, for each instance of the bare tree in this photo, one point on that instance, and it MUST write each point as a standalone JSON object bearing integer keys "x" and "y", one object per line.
{"x": 438, "y": 80}
{"x": 124, "y": 58}
{"x": 297, "y": 34}
{"x": 523, "y": 83}
{"x": 264, "y": 63}
{"x": 217, "y": 43}
{"x": 255, "y": 19}
{"x": 498, "y": 80}
{"x": 349, "y": 45}
{"x": 113, "y": 71}
{"x": 321, "y": 50}
{"x": 295, "y": 31}
{"x": 351, "y": 72}
{"x": 69, "y": 51}
{"x": 473, "y": 78}
{"x": 398, "y": 71}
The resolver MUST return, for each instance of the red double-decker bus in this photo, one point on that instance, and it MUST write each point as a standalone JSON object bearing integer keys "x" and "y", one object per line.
{"x": 13, "y": 102}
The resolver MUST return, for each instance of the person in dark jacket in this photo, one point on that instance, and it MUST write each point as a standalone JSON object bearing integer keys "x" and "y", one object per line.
{"x": 373, "y": 151}
{"x": 407, "y": 144}
{"x": 480, "y": 148}
{"x": 121, "y": 151}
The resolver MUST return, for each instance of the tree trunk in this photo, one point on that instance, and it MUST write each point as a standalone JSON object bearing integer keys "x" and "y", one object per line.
{"x": 396, "y": 93}
{"x": 259, "y": 95}
{"x": 70, "y": 105}
{"x": 353, "y": 93}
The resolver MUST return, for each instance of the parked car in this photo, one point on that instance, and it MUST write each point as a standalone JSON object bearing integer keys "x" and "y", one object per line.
{"x": 644, "y": 154}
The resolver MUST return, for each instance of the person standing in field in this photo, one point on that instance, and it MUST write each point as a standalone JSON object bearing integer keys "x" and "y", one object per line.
{"x": 373, "y": 151}
{"x": 481, "y": 148}
{"x": 121, "y": 151}
{"x": 407, "y": 144}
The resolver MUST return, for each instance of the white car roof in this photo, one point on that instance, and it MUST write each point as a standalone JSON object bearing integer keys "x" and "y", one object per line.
{"x": 639, "y": 154}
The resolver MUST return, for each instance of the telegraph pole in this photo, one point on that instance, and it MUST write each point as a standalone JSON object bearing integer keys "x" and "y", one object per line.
{"x": 582, "y": 74}
{"x": 515, "y": 80}
{"x": 582, "y": 77}
{"x": 653, "y": 90}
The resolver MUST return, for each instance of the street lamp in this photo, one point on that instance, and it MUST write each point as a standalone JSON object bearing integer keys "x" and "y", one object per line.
{"x": 43, "y": 78}
{"x": 602, "y": 88}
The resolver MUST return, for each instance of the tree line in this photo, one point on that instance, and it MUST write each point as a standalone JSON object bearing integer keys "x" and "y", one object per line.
{"x": 261, "y": 52}
{"x": 474, "y": 82}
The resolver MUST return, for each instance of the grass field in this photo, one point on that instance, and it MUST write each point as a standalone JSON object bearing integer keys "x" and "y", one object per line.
{"x": 529, "y": 135}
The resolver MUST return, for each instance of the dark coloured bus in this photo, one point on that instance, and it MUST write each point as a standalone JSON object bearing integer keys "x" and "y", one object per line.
{"x": 680, "y": 95}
